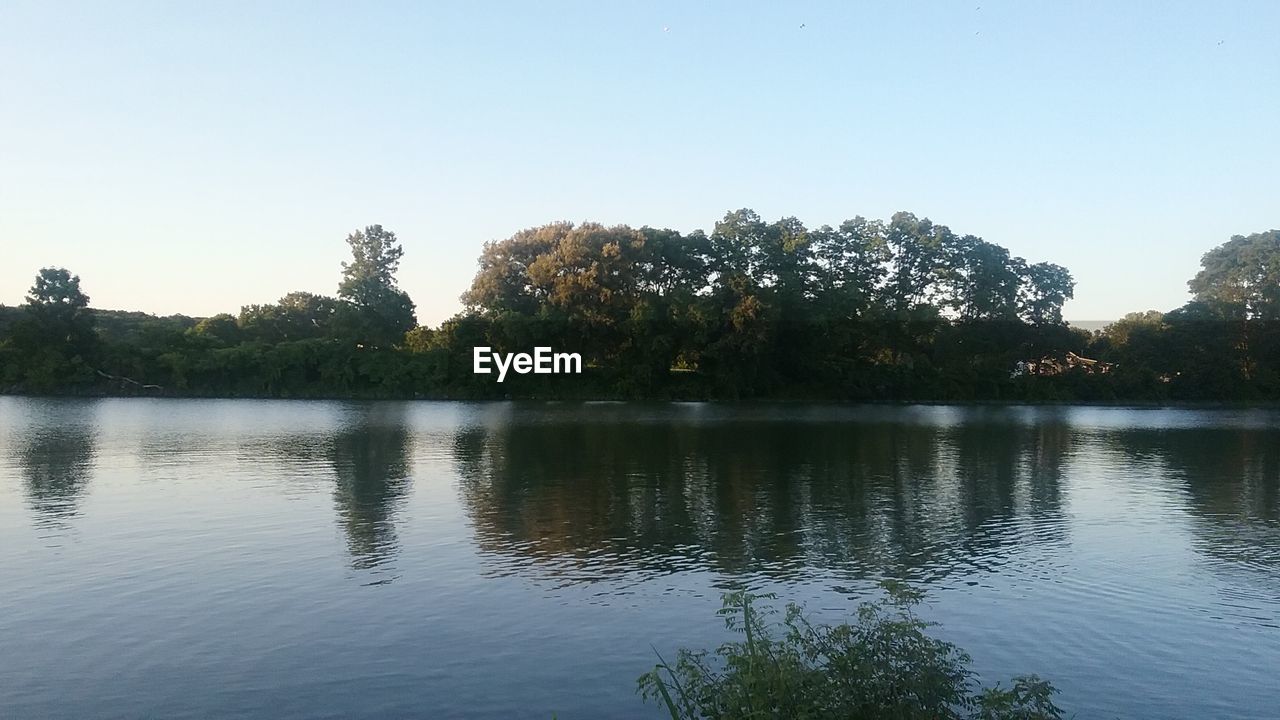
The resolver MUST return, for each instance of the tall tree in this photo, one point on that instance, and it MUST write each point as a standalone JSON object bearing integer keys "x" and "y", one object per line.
{"x": 384, "y": 311}
{"x": 502, "y": 283}
{"x": 850, "y": 265}
{"x": 919, "y": 256}
{"x": 590, "y": 272}
{"x": 56, "y": 297}
{"x": 672, "y": 263}
{"x": 737, "y": 249}
{"x": 1045, "y": 288}
{"x": 982, "y": 278}
{"x": 56, "y": 339}
{"x": 1242, "y": 276}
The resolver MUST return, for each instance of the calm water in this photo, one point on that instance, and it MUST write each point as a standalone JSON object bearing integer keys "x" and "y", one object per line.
{"x": 251, "y": 559}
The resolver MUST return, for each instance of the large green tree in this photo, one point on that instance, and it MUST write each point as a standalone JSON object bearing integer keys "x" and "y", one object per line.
{"x": 1242, "y": 276}
{"x": 55, "y": 342}
{"x": 982, "y": 279}
{"x": 850, "y": 264}
{"x": 919, "y": 250}
{"x": 384, "y": 312}
{"x": 56, "y": 297}
{"x": 1045, "y": 288}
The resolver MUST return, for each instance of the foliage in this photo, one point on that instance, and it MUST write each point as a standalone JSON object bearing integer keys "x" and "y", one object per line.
{"x": 883, "y": 664}
{"x": 1242, "y": 276}
{"x": 754, "y": 306}
{"x": 384, "y": 312}
{"x": 57, "y": 292}
{"x": 53, "y": 342}
{"x": 904, "y": 309}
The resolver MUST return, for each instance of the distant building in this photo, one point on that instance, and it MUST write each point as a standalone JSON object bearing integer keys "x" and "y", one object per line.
{"x": 1048, "y": 365}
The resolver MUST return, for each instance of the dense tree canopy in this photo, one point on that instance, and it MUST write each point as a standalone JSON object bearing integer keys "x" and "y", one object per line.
{"x": 754, "y": 304}
{"x": 903, "y": 309}
{"x": 1242, "y": 277}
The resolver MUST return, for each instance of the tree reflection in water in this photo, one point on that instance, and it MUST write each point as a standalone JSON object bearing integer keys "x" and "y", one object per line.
{"x": 1228, "y": 479}
{"x": 587, "y": 498}
{"x": 56, "y": 456}
{"x": 370, "y": 457}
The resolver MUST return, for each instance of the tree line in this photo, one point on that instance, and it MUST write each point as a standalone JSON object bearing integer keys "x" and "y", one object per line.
{"x": 903, "y": 309}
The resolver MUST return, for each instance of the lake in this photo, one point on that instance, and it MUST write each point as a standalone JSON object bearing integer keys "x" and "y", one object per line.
{"x": 278, "y": 559}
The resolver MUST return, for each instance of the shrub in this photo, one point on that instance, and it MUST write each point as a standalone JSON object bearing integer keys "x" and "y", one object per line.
{"x": 882, "y": 665}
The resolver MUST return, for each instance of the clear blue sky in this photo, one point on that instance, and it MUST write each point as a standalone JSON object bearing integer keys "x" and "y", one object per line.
{"x": 193, "y": 157}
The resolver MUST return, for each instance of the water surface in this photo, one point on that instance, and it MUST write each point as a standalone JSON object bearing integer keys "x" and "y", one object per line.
{"x": 257, "y": 559}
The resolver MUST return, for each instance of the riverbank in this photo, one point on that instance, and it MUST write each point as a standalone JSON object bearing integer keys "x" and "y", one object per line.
{"x": 614, "y": 398}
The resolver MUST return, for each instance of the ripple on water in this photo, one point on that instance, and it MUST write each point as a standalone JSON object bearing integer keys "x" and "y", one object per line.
{"x": 375, "y": 560}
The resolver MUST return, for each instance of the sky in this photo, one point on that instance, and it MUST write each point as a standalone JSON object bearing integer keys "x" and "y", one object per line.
{"x": 195, "y": 157}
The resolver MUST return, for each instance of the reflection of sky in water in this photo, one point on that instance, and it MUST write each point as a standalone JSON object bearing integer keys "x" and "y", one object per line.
{"x": 381, "y": 559}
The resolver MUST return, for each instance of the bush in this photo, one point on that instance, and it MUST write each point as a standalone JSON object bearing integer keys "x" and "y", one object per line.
{"x": 882, "y": 665}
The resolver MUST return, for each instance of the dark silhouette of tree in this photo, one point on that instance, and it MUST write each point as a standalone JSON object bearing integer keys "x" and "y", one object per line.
{"x": 918, "y": 262}
{"x": 56, "y": 297}
{"x": 983, "y": 279}
{"x": 1045, "y": 288}
{"x": 851, "y": 263}
{"x": 55, "y": 340}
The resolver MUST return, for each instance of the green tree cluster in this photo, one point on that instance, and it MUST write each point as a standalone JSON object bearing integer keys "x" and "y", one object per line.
{"x": 304, "y": 345}
{"x": 903, "y": 309}
{"x": 1224, "y": 345}
{"x": 53, "y": 342}
{"x": 760, "y": 308}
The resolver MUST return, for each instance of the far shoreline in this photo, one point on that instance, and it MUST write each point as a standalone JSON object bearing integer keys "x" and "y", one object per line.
{"x": 726, "y": 402}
